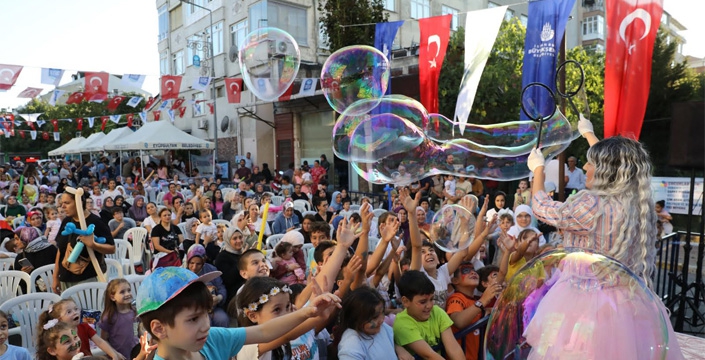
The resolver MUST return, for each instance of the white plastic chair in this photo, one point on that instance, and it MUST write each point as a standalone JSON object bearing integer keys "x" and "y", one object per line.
{"x": 130, "y": 200}
{"x": 46, "y": 273}
{"x": 346, "y": 214}
{"x": 135, "y": 281}
{"x": 139, "y": 235}
{"x": 10, "y": 283}
{"x": 378, "y": 212}
{"x": 354, "y": 207}
{"x": 373, "y": 242}
{"x": 26, "y": 309}
{"x": 160, "y": 198}
{"x": 123, "y": 254}
{"x": 277, "y": 200}
{"x": 7, "y": 264}
{"x": 306, "y": 248}
{"x": 182, "y": 227}
{"x": 302, "y": 204}
{"x": 114, "y": 269}
{"x": 17, "y": 222}
{"x": 222, "y": 222}
{"x": 308, "y": 212}
{"x": 88, "y": 296}
{"x": 273, "y": 240}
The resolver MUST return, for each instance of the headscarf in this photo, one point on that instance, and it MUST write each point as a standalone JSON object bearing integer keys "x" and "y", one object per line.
{"x": 196, "y": 250}
{"x": 334, "y": 205}
{"x": 294, "y": 238}
{"x": 189, "y": 235}
{"x": 138, "y": 213}
{"x": 32, "y": 239}
{"x": 229, "y": 232}
{"x": 516, "y": 229}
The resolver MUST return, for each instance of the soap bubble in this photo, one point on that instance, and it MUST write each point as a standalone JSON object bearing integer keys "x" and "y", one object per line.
{"x": 452, "y": 228}
{"x": 269, "y": 60}
{"x": 400, "y": 105}
{"x": 572, "y": 303}
{"x": 355, "y": 73}
{"x": 382, "y": 144}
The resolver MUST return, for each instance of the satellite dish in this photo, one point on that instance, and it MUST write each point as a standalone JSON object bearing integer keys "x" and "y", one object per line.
{"x": 224, "y": 124}
{"x": 233, "y": 53}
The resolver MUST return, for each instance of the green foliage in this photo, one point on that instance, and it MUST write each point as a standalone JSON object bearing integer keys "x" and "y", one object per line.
{"x": 68, "y": 130}
{"x": 350, "y": 12}
{"x": 498, "y": 93}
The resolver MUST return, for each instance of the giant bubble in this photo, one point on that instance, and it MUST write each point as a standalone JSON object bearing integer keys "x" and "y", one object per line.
{"x": 576, "y": 304}
{"x": 355, "y": 73}
{"x": 452, "y": 228}
{"x": 269, "y": 60}
{"x": 382, "y": 145}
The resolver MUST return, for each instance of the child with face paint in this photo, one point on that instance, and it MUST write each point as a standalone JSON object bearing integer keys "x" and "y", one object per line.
{"x": 57, "y": 340}
{"x": 8, "y": 351}
{"x": 66, "y": 311}
{"x": 361, "y": 328}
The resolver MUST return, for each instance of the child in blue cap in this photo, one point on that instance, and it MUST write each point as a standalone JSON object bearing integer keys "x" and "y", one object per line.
{"x": 173, "y": 305}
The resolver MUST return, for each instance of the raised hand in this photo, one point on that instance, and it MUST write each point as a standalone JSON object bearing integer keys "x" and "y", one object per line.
{"x": 408, "y": 202}
{"x": 346, "y": 233}
{"x": 367, "y": 215}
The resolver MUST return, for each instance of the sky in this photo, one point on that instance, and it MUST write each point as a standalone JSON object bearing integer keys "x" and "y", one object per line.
{"x": 120, "y": 37}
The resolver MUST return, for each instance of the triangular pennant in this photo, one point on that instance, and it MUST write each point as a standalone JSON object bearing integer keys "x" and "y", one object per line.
{"x": 79, "y": 124}
{"x": 129, "y": 119}
{"x": 55, "y": 123}
{"x": 33, "y": 134}
{"x": 22, "y": 134}
{"x": 41, "y": 123}
{"x": 103, "y": 122}
{"x": 156, "y": 114}
{"x": 143, "y": 116}
{"x": 55, "y": 95}
{"x": 57, "y": 136}
{"x": 115, "y": 118}
{"x": 164, "y": 104}
{"x": 91, "y": 120}
{"x": 182, "y": 111}
{"x": 134, "y": 101}
{"x": 171, "y": 114}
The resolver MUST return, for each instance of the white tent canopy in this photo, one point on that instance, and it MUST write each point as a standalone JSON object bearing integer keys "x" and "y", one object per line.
{"x": 114, "y": 135}
{"x": 94, "y": 138}
{"x": 61, "y": 150}
{"x": 160, "y": 135}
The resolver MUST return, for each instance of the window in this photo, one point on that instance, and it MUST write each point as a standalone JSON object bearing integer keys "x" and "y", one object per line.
{"x": 445, "y": 10}
{"x": 491, "y": 5}
{"x": 593, "y": 27}
{"x": 175, "y": 18}
{"x": 292, "y": 19}
{"x": 509, "y": 15}
{"x": 178, "y": 62}
{"x": 164, "y": 63}
{"x": 420, "y": 9}
{"x": 163, "y": 23}
{"x": 192, "y": 50}
{"x": 524, "y": 20}
{"x": 220, "y": 91}
{"x": 192, "y": 8}
{"x": 217, "y": 32}
{"x": 198, "y": 104}
{"x": 238, "y": 33}
{"x": 389, "y": 4}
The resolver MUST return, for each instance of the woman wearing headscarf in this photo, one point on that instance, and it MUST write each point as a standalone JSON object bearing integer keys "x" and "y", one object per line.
{"x": 121, "y": 203}
{"x": 336, "y": 203}
{"x": 13, "y": 209}
{"x": 138, "y": 211}
{"x": 286, "y": 220}
{"x": 227, "y": 260}
{"x": 31, "y": 245}
{"x": 524, "y": 219}
{"x": 106, "y": 212}
{"x": 196, "y": 262}
{"x": 232, "y": 205}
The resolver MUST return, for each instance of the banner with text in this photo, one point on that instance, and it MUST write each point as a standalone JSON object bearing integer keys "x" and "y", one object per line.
{"x": 676, "y": 192}
{"x": 203, "y": 163}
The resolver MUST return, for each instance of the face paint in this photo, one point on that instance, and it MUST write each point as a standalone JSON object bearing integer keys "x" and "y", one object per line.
{"x": 373, "y": 324}
{"x": 73, "y": 332}
{"x": 64, "y": 339}
{"x": 75, "y": 346}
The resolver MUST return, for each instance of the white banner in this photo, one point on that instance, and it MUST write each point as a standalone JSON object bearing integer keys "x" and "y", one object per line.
{"x": 204, "y": 164}
{"x": 676, "y": 192}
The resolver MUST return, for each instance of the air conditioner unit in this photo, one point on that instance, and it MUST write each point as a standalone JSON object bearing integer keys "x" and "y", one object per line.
{"x": 278, "y": 48}
{"x": 203, "y": 124}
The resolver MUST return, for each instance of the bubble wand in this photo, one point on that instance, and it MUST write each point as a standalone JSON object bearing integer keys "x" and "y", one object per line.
{"x": 264, "y": 223}
{"x": 85, "y": 230}
{"x": 19, "y": 192}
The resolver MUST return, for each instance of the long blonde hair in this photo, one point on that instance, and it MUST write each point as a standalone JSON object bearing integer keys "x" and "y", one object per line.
{"x": 623, "y": 176}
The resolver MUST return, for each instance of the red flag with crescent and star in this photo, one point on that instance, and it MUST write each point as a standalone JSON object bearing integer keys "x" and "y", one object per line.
{"x": 435, "y": 32}
{"x": 170, "y": 87}
{"x": 631, "y": 33}
{"x": 157, "y": 114}
{"x": 182, "y": 111}
{"x": 103, "y": 122}
{"x": 115, "y": 102}
{"x": 75, "y": 98}
{"x": 55, "y": 124}
{"x": 96, "y": 86}
{"x": 177, "y": 103}
{"x": 234, "y": 87}
{"x": 79, "y": 124}
{"x": 9, "y": 75}
{"x": 129, "y": 118}
{"x": 150, "y": 103}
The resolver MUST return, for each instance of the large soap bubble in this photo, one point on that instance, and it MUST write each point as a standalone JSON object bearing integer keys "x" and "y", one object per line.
{"x": 382, "y": 145}
{"x": 399, "y": 105}
{"x": 452, "y": 228}
{"x": 574, "y": 304}
{"x": 355, "y": 73}
{"x": 269, "y": 60}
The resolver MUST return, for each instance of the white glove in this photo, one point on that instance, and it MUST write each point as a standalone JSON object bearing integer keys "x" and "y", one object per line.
{"x": 585, "y": 126}
{"x": 78, "y": 356}
{"x": 535, "y": 160}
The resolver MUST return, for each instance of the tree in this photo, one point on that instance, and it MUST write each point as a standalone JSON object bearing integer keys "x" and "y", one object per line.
{"x": 337, "y": 13}
{"x": 67, "y": 130}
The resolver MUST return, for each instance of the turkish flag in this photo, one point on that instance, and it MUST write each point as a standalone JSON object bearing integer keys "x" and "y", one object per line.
{"x": 435, "y": 32}
{"x": 31, "y": 125}
{"x": 22, "y": 134}
{"x": 211, "y": 107}
{"x": 75, "y": 98}
{"x": 10, "y": 117}
{"x": 30, "y": 93}
{"x": 631, "y": 33}
{"x": 170, "y": 86}
{"x": 103, "y": 122}
{"x": 9, "y": 75}
{"x": 96, "y": 86}
{"x": 79, "y": 124}
{"x": 182, "y": 111}
{"x": 149, "y": 103}
{"x": 55, "y": 123}
{"x": 177, "y": 103}
{"x": 157, "y": 114}
{"x": 115, "y": 102}
{"x": 234, "y": 89}
{"x": 129, "y": 119}
{"x": 287, "y": 94}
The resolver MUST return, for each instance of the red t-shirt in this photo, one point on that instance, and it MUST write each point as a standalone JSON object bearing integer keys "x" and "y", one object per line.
{"x": 459, "y": 302}
{"x": 85, "y": 333}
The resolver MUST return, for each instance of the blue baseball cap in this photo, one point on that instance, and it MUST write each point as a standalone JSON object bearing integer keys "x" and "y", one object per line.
{"x": 165, "y": 284}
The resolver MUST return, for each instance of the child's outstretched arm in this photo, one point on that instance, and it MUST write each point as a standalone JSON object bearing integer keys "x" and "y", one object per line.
{"x": 453, "y": 349}
{"x": 504, "y": 261}
{"x": 410, "y": 205}
{"x": 363, "y": 244}
{"x": 387, "y": 235}
{"x": 519, "y": 253}
{"x": 276, "y": 328}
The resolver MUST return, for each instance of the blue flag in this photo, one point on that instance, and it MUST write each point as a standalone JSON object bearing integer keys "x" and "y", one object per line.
{"x": 544, "y": 32}
{"x": 385, "y": 32}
